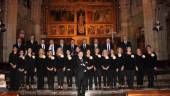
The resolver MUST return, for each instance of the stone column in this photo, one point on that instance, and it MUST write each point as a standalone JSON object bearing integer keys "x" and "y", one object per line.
{"x": 149, "y": 17}
{"x": 125, "y": 14}
{"x": 9, "y": 37}
{"x": 36, "y": 18}
{"x": 157, "y": 40}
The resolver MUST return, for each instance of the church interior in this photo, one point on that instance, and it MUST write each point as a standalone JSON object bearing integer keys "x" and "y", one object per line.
{"x": 142, "y": 22}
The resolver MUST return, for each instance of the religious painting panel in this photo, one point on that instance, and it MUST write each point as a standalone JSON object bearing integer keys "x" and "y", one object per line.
{"x": 70, "y": 30}
{"x": 81, "y": 22}
{"x": 91, "y": 29}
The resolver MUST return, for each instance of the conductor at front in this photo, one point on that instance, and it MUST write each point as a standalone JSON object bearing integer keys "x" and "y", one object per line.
{"x": 81, "y": 74}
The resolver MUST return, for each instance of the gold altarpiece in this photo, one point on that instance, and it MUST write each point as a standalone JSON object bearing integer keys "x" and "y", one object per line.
{"x": 80, "y": 19}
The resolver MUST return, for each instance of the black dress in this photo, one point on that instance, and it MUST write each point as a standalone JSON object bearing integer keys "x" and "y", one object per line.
{"x": 41, "y": 70}
{"x": 140, "y": 63}
{"x": 30, "y": 69}
{"x": 97, "y": 70}
{"x": 120, "y": 64}
{"x": 113, "y": 72}
{"x": 90, "y": 71}
{"x": 59, "y": 65}
{"x": 129, "y": 68}
{"x": 69, "y": 70}
{"x": 106, "y": 62}
{"x": 50, "y": 73}
{"x": 21, "y": 69}
{"x": 13, "y": 59}
{"x": 151, "y": 61}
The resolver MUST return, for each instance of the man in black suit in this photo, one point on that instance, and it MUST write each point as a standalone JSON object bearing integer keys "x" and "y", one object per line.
{"x": 94, "y": 45}
{"x": 52, "y": 46}
{"x": 62, "y": 45}
{"x": 108, "y": 45}
{"x": 33, "y": 44}
{"x": 19, "y": 45}
{"x": 43, "y": 45}
{"x": 84, "y": 46}
{"x": 72, "y": 47}
{"x": 81, "y": 74}
{"x": 125, "y": 43}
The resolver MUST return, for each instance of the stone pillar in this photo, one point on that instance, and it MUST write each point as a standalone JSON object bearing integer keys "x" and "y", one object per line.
{"x": 149, "y": 17}
{"x": 125, "y": 14}
{"x": 9, "y": 37}
{"x": 36, "y": 18}
{"x": 157, "y": 40}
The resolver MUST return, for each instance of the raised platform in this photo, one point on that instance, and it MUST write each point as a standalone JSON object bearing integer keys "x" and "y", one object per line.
{"x": 121, "y": 92}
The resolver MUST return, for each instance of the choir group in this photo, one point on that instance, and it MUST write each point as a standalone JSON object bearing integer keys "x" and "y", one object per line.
{"x": 94, "y": 64}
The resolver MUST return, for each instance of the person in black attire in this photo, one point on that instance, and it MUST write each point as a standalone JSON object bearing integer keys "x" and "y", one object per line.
{"x": 84, "y": 46}
{"x": 113, "y": 69}
{"x": 108, "y": 45}
{"x": 13, "y": 61}
{"x": 21, "y": 68}
{"x": 125, "y": 43}
{"x": 19, "y": 45}
{"x": 30, "y": 68}
{"x": 129, "y": 67}
{"x": 81, "y": 70}
{"x": 90, "y": 69}
{"x": 52, "y": 46}
{"x": 105, "y": 68}
{"x": 41, "y": 68}
{"x": 69, "y": 68}
{"x": 62, "y": 46}
{"x": 120, "y": 67}
{"x": 32, "y": 44}
{"x": 60, "y": 67}
{"x": 94, "y": 45}
{"x": 50, "y": 65}
{"x": 151, "y": 61}
{"x": 140, "y": 63}
{"x": 72, "y": 47}
{"x": 43, "y": 45}
{"x": 97, "y": 68}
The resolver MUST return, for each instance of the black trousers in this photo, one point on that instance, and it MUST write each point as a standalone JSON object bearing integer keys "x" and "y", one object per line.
{"x": 150, "y": 74}
{"x": 140, "y": 77}
{"x": 113, "y": 77}
{"x": 130, "y": 78}
{"x": 30, "y": 78}
{"x": 50, "y": 79}
{"x": 97, "y": 77}
{"x": 81, "y": 84}
{"x": 40, "y": 81}
{"x": 69, "y": 75}
{"x": 105, "y": 78}
{"x": 121, "y": 79}
{"x": 60, "y": 75}
{"x": 90, "y": 74}
{"x": 13, "y": 80}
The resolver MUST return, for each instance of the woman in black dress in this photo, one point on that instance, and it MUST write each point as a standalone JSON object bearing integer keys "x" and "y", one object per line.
{"x": 50, "y": 65}
{"x": 90, "y": 69}
{"x": 140, "y": 63}
{"x": 41, "y": 68}
{"x": 113, "y": 69}
{"x": 120, "y": 67}
{"x": 60, "y": 67}
{"x": 21, "y": 68}
{"x": 129, "y": 67}
{"x": 69, "y": 68}
{"x": 106, "y": 62}
{"x": 97, "y": 68}
{"x": 29, "y": 68}
{"x": 13, "y": 77}
{"x": 151, "y": 61}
